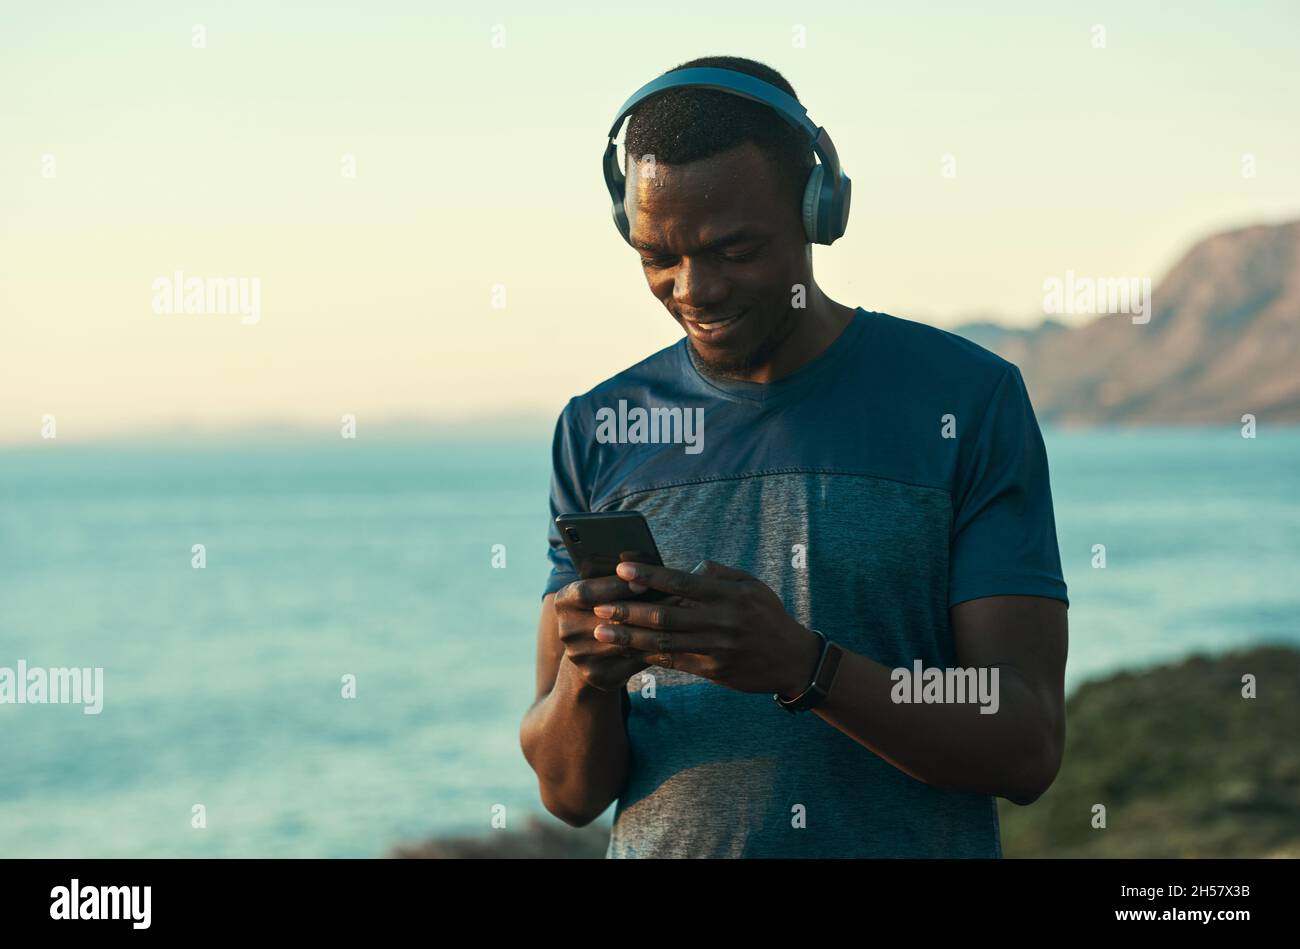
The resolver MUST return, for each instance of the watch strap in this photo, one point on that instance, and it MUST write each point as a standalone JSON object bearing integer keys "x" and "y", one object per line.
{"x": 828, "y": 663}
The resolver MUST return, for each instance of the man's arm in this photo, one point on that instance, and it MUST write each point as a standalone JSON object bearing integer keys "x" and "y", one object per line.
{"x": 1014, "y": 753}
{"x": 573, "y": 735}
{"x": 727, "y": 626}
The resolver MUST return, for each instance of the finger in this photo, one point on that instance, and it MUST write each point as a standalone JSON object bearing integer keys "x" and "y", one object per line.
{"x": 584, "y": 594}
{"x": 690, "y": 662}
{"x": 587, "y": 649}
{"x": 692, "y": 586}
{"x": 656, "y": 641}
{"x": 653, "y": 615}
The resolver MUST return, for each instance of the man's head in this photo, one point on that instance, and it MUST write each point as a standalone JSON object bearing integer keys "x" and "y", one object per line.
{"x": 715, "y": 214}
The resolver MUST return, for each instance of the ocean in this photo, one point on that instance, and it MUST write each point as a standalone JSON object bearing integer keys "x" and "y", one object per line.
{"x": 374, "y": 559}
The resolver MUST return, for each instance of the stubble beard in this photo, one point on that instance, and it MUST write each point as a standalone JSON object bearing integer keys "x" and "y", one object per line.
{"x": 742, "y": 364}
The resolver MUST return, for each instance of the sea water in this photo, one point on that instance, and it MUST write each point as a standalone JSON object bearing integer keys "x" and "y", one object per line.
{"x": 224, "y": 730}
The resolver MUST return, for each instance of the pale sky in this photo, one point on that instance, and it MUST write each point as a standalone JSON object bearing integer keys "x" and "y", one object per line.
{"x": 129, "y": 154}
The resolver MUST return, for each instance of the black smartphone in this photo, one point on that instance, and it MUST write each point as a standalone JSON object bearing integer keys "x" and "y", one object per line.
{"x": 600, "y": 542}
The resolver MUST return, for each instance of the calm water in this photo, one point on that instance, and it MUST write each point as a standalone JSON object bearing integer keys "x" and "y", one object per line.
{"x": 222, "y": 685}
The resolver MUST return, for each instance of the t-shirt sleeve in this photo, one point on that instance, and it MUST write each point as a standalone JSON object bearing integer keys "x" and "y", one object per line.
{"x": 568, "y": 496}
{"x": 1004, "y": 530}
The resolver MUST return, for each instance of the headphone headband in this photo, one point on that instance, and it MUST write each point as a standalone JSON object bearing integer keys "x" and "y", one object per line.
{"x": 826, "y": 199}
{"x": 722, "y": 80}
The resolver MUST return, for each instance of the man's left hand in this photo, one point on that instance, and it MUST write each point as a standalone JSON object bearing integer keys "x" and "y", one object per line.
{"x": 725, "y": 625}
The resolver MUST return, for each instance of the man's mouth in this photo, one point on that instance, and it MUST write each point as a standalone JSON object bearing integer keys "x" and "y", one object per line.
{"x": 714, "y": 329}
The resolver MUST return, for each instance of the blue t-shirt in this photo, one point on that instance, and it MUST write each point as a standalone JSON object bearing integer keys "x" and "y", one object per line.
{"x": 897, "y": 474}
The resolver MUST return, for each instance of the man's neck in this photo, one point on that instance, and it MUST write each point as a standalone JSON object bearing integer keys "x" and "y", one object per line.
{"x": 814, "y": 331}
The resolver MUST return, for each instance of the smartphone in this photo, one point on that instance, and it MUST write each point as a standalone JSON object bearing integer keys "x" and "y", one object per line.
{"x": 600, "y": 542}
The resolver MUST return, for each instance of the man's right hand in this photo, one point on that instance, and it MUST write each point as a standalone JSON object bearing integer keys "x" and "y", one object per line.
{"x": 603, "y": 666}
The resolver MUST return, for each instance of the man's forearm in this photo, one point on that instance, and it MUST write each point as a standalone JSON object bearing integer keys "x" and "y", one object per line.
{"x": 1011, "y": 753}
{"x": 575, "y": 740}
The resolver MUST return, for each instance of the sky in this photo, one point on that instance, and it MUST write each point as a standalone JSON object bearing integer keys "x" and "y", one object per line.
{"x": 416, "y": 192}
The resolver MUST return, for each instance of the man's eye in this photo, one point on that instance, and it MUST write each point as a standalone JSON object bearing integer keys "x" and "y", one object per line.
{"x": 656, "y": 263}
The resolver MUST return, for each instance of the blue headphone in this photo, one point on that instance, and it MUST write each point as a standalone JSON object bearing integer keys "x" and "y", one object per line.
{"x": 826, "y": 196}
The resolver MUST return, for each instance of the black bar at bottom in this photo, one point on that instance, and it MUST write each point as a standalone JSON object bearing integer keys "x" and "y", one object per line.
{"x": 368, "y": 897}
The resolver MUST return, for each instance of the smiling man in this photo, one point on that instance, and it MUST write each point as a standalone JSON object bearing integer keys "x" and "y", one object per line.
{"x": 873, "y": 496}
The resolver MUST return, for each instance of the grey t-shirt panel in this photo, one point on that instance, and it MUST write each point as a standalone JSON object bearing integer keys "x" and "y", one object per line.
{"x": 720, "y": 773}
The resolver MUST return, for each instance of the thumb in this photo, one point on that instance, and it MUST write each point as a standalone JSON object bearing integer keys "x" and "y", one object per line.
{"x": 718, "y": 571}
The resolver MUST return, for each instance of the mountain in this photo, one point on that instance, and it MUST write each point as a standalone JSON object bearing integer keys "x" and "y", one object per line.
{"x": 1223, "y": 340}
{"x": 1009, "y": 341}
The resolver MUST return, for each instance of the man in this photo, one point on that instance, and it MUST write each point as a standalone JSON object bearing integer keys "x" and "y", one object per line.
{"x": 871, "y": 493}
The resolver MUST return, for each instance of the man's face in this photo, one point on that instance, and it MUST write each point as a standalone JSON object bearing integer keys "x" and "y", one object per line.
{"x": 722, "y": 245}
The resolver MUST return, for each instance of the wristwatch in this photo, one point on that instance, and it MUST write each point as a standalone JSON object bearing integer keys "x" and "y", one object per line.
{"x": 822, "y": 680}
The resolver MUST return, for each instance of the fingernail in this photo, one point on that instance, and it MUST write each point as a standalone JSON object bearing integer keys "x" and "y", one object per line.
{"x": 604, "y": 611}
{"x": 626, "y": 571}
{"x": 637, "y": 587}
{"x": 604, "y": 634}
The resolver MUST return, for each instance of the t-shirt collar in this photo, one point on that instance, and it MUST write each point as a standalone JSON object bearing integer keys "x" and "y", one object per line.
{"x": 779, "y": 391}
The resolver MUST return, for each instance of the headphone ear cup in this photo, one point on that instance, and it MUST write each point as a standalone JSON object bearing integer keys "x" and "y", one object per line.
{"x": 620, "y": 220}
{"x": 812, "y": 193}
{"x": 846, "y": 199}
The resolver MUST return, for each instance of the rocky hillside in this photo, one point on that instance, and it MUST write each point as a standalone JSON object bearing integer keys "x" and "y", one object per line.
{"x": 1223, "y": 340}
{"x": 1185, "y": 766}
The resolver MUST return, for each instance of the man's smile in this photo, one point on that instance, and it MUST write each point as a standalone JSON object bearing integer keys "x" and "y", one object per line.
{"x": 713, "y": 331}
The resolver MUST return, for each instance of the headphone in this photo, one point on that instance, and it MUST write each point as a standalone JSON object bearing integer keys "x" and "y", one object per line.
{"x": 825, "y": 208}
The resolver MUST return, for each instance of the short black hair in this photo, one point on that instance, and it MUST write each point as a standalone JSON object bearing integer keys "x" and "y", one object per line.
{"x": 685, "y": 125}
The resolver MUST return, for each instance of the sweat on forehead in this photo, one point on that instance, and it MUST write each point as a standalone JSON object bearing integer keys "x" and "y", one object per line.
{"x": 726, "y": 190}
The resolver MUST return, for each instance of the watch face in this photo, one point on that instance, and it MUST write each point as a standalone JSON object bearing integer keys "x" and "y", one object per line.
{"x": 826, "y": 674}
{"x": 827, "y": 663}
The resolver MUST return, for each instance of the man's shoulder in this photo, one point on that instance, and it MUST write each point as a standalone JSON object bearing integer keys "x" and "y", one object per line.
{"x": 920, "y": 366}
{"x": 919, "y": 345}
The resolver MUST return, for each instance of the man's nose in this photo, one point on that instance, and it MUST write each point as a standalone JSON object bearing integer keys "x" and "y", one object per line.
{"x": 696, "y": 285}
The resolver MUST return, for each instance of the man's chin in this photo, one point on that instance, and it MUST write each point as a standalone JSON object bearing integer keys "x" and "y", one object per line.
{"x": 717, "y": 361}
{"x": 743, "y": 358}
